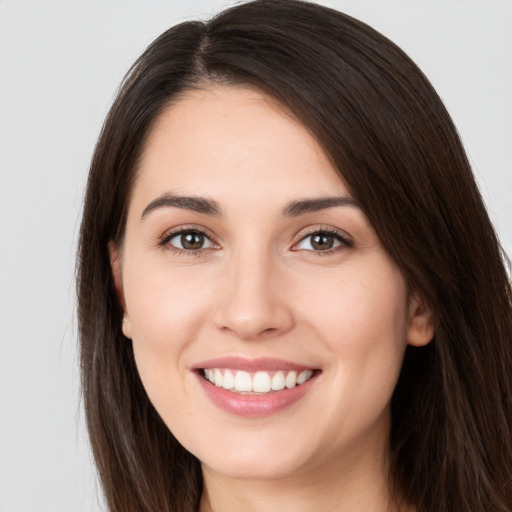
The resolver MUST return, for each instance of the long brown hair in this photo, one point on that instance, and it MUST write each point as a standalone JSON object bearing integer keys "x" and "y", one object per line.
{"x": 389, "y": 135}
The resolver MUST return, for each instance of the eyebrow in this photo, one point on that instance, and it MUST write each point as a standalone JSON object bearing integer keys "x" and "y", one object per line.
{"x": 211, "y": 207}
{"x": 296, "y": 208}
{"x": 195, "y": 204}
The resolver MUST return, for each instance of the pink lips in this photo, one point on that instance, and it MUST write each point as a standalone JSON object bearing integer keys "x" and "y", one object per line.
{"x": 265, "y": 364}
{"x": 253, "y": 405}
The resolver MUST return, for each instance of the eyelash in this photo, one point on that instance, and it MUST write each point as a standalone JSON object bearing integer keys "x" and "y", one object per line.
{"x": 168, "y": 236}
{"x": 337, "y": 235}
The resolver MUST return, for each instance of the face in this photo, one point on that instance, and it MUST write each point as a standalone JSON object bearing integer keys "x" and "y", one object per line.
{"x": 268, "y": 322}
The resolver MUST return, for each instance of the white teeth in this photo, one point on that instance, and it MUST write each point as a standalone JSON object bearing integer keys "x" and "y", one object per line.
{"x": 278, "y": 381}
{"x": 304, "y": 376}
{"x": 291, "y": 380}
{"x": 243, "y": 381}
{"x": 229, "y": 380}
{"x": 218, "y": 377}
{"x": 261, "y": 382}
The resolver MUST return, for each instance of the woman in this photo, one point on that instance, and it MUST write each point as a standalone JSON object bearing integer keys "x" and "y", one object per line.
{"x": 290, "y": 293}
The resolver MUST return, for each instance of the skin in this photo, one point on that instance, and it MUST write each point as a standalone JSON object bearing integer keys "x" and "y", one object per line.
{"x": 260, "y": 288}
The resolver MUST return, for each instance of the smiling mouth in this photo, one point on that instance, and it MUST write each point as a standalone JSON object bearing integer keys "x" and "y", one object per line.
{"x": 256, "y": 383}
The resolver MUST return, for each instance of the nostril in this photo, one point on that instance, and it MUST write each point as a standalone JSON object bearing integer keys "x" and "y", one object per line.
{"x": 254, "y": 321}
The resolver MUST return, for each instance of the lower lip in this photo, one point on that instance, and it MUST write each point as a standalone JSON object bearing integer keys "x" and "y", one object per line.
{"x": 254, "y": 405}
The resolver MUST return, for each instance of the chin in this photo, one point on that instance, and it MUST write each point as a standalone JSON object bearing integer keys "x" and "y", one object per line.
{"x": 254, "y": 468}
{"x": 252, "y": 459}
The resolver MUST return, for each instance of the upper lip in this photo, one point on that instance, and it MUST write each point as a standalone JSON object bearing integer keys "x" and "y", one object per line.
{"x": 251, "y": 364}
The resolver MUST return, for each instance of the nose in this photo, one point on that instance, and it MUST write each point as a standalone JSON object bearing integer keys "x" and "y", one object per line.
{"x": 253, "y": 302}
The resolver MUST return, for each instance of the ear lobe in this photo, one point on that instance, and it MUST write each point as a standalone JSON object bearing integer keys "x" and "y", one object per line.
{"x": 420, "y": 330}
{"x": 115, "y": 264}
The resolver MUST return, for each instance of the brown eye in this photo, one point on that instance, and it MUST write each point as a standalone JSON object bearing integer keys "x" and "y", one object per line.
{"x": 190, "y": 240}
{"x": 323, "y": 241}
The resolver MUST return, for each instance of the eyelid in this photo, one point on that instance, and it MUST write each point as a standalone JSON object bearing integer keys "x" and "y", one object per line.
{"x": 164, "y": 239}
{"x": 344, "y": 239}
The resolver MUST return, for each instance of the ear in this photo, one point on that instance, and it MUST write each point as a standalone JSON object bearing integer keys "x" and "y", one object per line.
{"x": 420, "y": 330}
{"x": 115, "y": 263}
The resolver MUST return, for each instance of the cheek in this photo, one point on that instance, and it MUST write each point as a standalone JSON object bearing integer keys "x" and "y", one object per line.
{"x": 361, "y": 320}
{"x": 166, "y": 311}
{"x": 164, "y": 304}
{"x": 369, "y": 306}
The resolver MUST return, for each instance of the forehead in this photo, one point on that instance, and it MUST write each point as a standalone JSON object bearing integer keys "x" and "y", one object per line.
{"x": 227, "y": 139}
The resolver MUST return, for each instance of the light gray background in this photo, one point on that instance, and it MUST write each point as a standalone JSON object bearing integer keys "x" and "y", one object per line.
{"x": 60, "y": 64}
